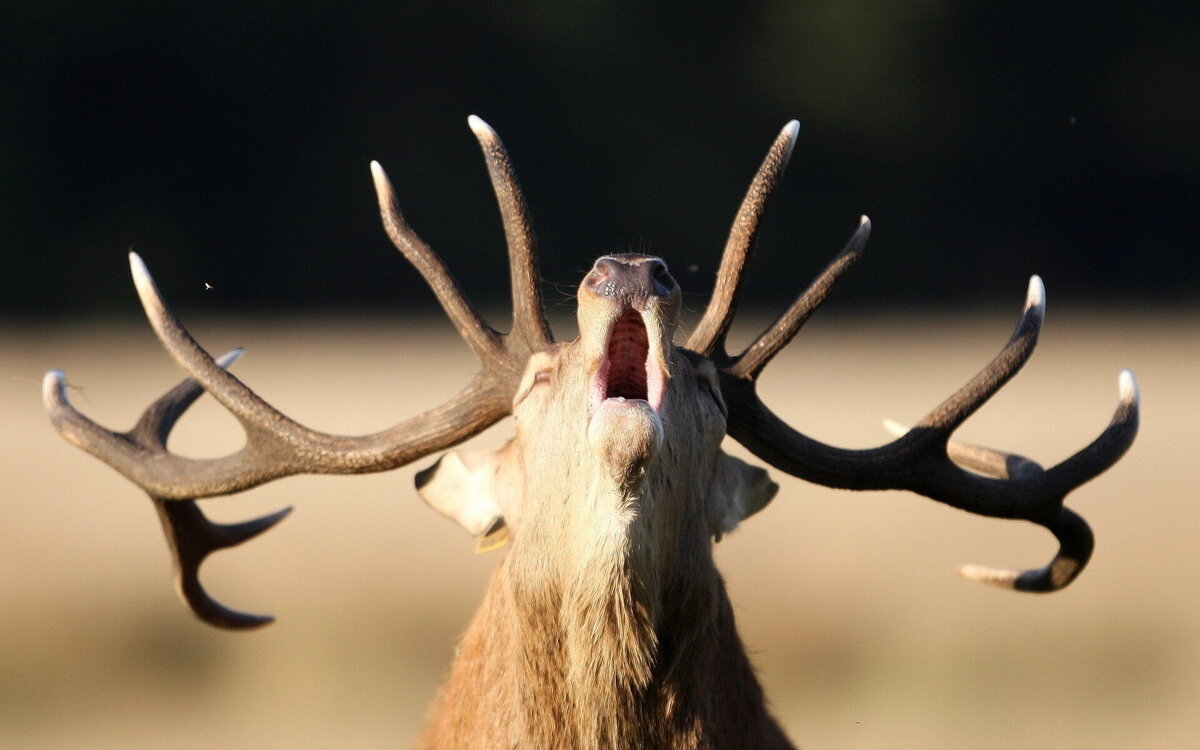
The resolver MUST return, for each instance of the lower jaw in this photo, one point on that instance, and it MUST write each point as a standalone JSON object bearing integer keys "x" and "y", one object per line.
{"x": 625, "y": 435}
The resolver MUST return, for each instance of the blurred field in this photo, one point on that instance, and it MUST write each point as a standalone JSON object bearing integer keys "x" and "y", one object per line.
{"x": 862, "y": 632}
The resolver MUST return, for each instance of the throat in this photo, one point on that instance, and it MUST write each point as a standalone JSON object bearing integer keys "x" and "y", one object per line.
{"x": 607, "y": 622}
{"x": 611, "y": 600}
{"x": 616, "y": 649}
{"x": 594, "y": 646}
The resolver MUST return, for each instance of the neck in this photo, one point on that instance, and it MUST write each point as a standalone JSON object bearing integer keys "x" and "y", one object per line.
{"x": 621, "y": 643}
{"x": 599, "y": 645}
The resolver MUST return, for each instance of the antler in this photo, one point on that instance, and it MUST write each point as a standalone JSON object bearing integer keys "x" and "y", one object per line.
{"x": 278, "y": 446}
{"x": 923, "y": 459}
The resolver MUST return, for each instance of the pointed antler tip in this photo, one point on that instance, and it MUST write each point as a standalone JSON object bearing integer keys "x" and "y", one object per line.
{"x": 480, "y": 128}
{"x": 384, "y": 192}
{"x": 231, "y": 356}
{"x": 142, "y": 280}
{"x": 1128, "y": 387}
{"x": 788, "y": 137}
{"x": 1001, "y": 577}
{"x": 1036, "y": 296}
{"x": 861, "y": 233}
{"x": 380, "y": 178}
{"x": 54, "y": 384}
{"x": 212, "y": 612}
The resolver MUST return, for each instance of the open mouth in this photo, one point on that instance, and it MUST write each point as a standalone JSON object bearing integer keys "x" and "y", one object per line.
{"x": 626, "y": 373}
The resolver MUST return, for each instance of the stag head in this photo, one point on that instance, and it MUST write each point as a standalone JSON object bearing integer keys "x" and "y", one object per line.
{"x": 618, "y": 432}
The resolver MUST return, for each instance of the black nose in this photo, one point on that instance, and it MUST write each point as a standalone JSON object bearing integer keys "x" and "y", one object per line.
{"x": 630, "y": 279}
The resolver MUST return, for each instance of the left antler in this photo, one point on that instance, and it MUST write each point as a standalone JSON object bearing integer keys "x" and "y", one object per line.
{"x": 923, "y": 459}
{"x": 278, "y": 446}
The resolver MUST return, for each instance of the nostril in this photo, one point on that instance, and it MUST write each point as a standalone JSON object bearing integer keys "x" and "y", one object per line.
{"x": 661, "y": 278}
{"x": 600, "y": 280}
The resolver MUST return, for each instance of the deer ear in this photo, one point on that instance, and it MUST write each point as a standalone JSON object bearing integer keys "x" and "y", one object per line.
{"x": 464, "y": 486}
{"x": 741, "y": 491}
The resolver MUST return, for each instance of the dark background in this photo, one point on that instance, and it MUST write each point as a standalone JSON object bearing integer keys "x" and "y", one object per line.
{"x": 229, "y": 144}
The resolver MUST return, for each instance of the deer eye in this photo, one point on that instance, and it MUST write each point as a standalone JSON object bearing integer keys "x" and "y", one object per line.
{"x": 532, "y": 380}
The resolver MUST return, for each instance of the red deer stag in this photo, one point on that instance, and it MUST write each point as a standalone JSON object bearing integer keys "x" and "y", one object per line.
{"x": 607, "y": 624}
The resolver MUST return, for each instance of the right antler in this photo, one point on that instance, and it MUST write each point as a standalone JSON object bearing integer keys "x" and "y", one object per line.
{"x": 923, "y": 459}
{"x": 278, "y": 446}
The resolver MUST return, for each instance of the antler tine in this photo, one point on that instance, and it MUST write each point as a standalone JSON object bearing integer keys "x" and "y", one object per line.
{"x": 1108, "y": 448}
{"x": 987, "y": 461}
{"x": 78, "y": 429}
{"x": 192, "y": 537}
{"x": 710, "y": 332}
{"x": 482, "y": 339}
{"x": 529, "y": 318}
{"x": 1012, "y": 357}
{"x": 756, "y": 356}
{"x": 1076, "y": 542}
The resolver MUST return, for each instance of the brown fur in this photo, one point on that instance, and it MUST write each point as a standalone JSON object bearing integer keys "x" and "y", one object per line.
{"x": 607, "y": 625}
{"x": 595, "y": 662}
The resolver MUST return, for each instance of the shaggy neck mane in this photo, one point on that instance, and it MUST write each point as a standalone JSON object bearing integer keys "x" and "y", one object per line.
{"x": 600, "y": 649}
{"x": 607, "y": 620}
{"x": 624, "y": 652}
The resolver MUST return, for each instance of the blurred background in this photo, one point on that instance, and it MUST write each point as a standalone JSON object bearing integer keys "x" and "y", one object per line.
{"x": 229, "y": 146}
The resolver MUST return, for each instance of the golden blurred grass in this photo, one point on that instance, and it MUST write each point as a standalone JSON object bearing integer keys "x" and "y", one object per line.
{"x": 863, "y": 635}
